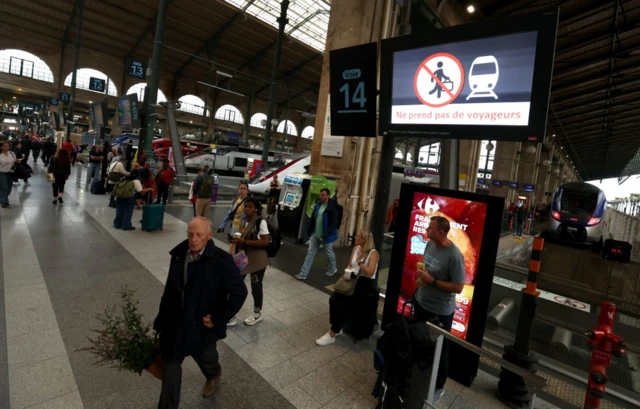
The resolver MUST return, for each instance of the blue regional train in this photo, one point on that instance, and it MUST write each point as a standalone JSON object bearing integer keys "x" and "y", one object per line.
{"x": 577, "y": 213}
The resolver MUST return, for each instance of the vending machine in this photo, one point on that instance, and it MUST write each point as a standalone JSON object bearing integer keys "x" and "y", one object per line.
{"x": 292, "y": 217}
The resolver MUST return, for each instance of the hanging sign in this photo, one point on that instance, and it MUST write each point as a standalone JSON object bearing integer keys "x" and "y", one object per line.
{"x": 63, "y": 97}
{"x": 353, "y": 73}
{"x": 97, "y": 84}
{"x": 135, "y": 68}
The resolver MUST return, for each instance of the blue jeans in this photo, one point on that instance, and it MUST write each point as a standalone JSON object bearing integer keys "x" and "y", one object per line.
{"x": 124, "y": 213}
{"x": 519, "y": 227}
{"x": 314, "y": 245}
{"x": 6, "y": 183}
{"x": 93, "y": 172}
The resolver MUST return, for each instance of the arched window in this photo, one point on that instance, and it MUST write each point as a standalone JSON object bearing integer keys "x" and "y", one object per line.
{"x": 485, "y": 165}
{"x": 256, "y": 120}
{"x": 83, "y": 78}
{"x": 308, "y": 132}
{"x": 139, "y": 89}
{"x": 230, "y": 113}
{"x": 291, "y": 128}
{"x": 192, "y": 104}
{"x": 25, "y": 64}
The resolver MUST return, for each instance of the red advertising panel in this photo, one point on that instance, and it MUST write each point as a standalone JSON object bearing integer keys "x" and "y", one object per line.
{"x": 474, "y": 221}
{"x": 466, "y": 219}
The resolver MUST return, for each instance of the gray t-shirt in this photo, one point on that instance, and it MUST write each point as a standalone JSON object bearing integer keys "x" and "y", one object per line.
{"x": 445, "y": 264}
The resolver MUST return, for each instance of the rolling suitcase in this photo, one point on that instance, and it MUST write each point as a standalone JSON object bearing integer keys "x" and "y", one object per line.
{"x": 97, "y": 187}
{"x": 152, "y": 217}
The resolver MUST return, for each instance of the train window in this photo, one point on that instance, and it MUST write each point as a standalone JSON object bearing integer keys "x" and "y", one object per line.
{"x": 579, "y": 202}
{"x": 240, "y": 162}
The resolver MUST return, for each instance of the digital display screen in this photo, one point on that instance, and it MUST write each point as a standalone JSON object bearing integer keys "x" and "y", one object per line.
{"x": 528, "y": 188}
{"x": 290, "y": 198}
{"x": 485, "y": 81}
{"x": 497, "y": 183}
{"x": 467, "y": 220}
{"x": 514, "y": 185}
{"x": 482, "y": 181}
{"x": 408, "y": 172}
{"x": 124, "y": 113}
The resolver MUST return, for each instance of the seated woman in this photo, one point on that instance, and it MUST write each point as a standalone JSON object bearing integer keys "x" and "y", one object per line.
{"x": 364, "y": 266}
{"x": 150, "y": 189}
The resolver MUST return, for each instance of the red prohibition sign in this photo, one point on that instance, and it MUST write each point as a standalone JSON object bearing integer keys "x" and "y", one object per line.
{"x": 568, "y": 301}
{"x": 423, "y": 65}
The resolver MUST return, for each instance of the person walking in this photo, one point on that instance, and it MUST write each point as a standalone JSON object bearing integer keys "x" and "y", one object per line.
{"x": 322, "y": 231}
{"x": 60, "y": 167}
{"x": 202, "y": 189}
{"x": 125, "y": 193}
{"x": 7, "y": 161}
{"x": 36, "y": 147}
{"x": 48, "y": 149}
{"x": 437, "y": 285}
{"x": 203, "y": 291}
{"x": 274, "y": 195}
{"x": 74, "y": 153}
{"x": 254, "y": 242}
{"x": 521, "y": 215}
{"x": 363, "y": 266}
{"x": 96, "y": 156}
{"x": 236, "y": 215}
{"x": 164, "y": 179}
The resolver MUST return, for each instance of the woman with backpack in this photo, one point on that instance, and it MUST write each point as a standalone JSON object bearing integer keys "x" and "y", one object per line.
{"x": 126, "y": 192}
{"x": 60, "y": 167}
{"x": 254, "y": 241}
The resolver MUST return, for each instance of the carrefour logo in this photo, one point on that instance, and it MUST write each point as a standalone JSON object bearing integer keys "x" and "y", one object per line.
{"x": 428, "y": 205}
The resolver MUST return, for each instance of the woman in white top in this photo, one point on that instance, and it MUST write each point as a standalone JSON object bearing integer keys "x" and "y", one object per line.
{"x": 254, "y": 240}
{"x": 364, "y": 267}
{"x": 7, "y": 161}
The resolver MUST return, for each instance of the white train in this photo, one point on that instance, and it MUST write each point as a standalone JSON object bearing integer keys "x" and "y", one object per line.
{"x": 226, "y": 160}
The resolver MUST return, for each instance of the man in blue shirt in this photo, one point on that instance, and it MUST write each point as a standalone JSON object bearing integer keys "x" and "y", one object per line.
{"x": 438, "y": 284}
{"x": 322, "y": 229}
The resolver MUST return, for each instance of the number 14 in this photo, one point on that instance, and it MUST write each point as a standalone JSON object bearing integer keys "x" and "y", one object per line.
{"x": 358, "y": 95}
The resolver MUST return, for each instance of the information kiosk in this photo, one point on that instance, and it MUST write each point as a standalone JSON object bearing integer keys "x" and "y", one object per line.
{"x": 292, "y": 218}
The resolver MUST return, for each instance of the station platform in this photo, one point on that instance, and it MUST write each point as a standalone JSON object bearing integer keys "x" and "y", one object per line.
{"x": 60, "y": 265}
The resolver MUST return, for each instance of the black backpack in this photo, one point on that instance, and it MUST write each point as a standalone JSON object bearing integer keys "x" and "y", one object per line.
{"x": 275, "y": 240}
{"x": 340, "y": 211}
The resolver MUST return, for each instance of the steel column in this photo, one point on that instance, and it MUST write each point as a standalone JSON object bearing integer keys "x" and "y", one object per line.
{"x": 247, "y": 121}
{"x": 76, "y": 57}
{"x": 449, "y": 168}
{"x": 156, "y": 61}
{"x": 284, "y": 135}
{"x": 282, "y": 22}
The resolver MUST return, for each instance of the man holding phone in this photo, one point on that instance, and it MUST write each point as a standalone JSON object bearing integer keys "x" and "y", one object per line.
{"x": 442, "y": 278}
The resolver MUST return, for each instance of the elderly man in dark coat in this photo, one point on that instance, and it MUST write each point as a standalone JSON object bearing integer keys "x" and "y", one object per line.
{"x": 204, "y": 290}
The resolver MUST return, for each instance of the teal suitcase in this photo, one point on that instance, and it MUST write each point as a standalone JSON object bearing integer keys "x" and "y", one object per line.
{"x": 152, "y": 217}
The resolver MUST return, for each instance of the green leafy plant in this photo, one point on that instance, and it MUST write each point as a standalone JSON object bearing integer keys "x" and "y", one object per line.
{"x": 124, "y": 341}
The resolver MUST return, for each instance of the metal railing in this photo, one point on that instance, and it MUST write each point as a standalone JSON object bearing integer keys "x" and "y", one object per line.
{"x": 535, "y": 382}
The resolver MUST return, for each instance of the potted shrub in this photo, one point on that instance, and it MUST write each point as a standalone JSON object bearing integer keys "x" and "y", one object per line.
{"x": 125, "y": 341}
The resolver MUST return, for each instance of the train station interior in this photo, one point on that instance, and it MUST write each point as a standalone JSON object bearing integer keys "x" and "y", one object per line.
{"x": 396, "y": 130}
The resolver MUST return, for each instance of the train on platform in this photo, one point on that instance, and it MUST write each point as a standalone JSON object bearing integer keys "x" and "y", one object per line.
{"x": 577, "y": 214}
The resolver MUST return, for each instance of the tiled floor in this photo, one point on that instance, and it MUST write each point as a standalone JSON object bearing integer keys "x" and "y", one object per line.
{"x": 63, "y": 264}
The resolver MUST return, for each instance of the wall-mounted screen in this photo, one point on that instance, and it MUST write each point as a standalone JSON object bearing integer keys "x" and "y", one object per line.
{"x": 493, "y": 76}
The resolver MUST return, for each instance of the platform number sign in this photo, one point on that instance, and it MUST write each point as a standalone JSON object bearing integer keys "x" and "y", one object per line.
{"x": 64, "y": 97}
{"x": 135, "y": 68}
{"x": 97, "y": 84}
{"x": 353, "y": 90}
{"x": 53, "y": 101}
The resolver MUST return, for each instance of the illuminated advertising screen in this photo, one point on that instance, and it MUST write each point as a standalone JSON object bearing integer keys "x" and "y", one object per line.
{"x": 493, "y": 76}
{"x": 466, "y": 219}
{"x": 474, "y": 221}
{"x": 124, "y": 113}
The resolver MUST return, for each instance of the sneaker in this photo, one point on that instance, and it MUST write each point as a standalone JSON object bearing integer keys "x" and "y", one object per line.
{"x": 27, "y": 184}
{"x": 210, "y": 387}
{"x": 130, "y": 228}
{"x": 55, "y": 201}
{"x": 232, "y": 322}
{"x": 438, "y": 393}
{"x": 299, "y": 276}
{"x": 5, "y": 205}
{"x": 329, "y": 273}
{"x": 326, "y": 339}
{"x": 60, "y": 200}
{"x": 253, "y": 319}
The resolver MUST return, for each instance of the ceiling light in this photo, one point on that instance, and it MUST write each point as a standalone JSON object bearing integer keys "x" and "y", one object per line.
{"x": 471, "y": 9}
{"x": 554, "y": 135}
{"x": 561, "y": 147}
{"x": 19, "y": 89}
{"x": 14, "y": 97}
{"x": 91, "y": 102}
{"x": 190, "y": 122}
{"x": 224, "y": 74}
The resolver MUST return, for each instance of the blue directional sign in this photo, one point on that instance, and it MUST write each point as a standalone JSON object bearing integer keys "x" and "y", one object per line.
{"x": 353, "y": 77}
{"x": 136, "y": 68}
{"x": 53, "y": 101}
{"x": 97, "y": 84}
{"x": 64, "y": 97}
